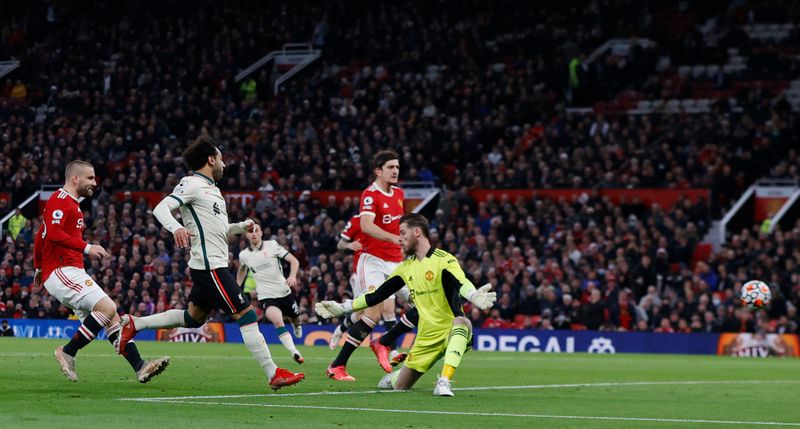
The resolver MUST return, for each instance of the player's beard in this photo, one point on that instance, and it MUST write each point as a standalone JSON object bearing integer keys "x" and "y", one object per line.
{"x": 410, "y": 248}
{"x": 86, "y": 191}
{"x": 216, "y": 172}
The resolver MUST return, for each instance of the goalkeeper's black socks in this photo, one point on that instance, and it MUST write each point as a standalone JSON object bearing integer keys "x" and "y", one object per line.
{"x": 91, "y": 326}
{"x": 407, "y": 323}
{"x": 389, "y": 325}
{"x": 357, "y": 334}
{"x": 131, "y": 352}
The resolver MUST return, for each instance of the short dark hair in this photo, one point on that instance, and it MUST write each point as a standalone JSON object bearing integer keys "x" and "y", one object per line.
{"x": 383, "y": 157}
{"x": 416, "y": 220}
{"x": 74, "y": 165}
{"x": 196, "y": 155}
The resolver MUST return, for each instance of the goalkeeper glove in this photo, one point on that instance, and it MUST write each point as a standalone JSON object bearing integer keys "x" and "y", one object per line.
{"x": 331, "y": 309}
{"x": 482, "y": 298}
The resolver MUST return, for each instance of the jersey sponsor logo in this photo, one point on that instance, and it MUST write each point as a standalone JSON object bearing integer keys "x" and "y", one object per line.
{"x": 216, "y": 209}
{"x": 429, "y": 276}
{"x": 387, "y": 219}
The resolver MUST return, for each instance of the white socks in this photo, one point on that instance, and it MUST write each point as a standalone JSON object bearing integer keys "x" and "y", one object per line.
{"x": 167, "y": 319}
{"x": 286, "y": 340}
{"x": 258, "y": 347}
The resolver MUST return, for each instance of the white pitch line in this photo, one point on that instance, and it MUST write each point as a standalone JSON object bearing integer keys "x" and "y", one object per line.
{"x": 476, "y": 388}
{"x": 476, "y": 414}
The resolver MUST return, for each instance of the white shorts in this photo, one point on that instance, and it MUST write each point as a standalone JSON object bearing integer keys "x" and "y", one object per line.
{"x": 74, "y": 288}
{"x": 371, "y": 273}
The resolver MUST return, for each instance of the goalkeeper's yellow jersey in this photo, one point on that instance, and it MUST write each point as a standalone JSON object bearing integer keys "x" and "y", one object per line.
{"x": 435, "y": 283}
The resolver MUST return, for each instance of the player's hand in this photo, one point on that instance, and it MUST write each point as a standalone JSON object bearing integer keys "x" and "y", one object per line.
{"x": 355, "y": 246}
{"x": 37, "y": 279}
{"x": 482, "y": 298}
{"x": 181, "y": 238}
{"x": 249, "y": 225}
{"x": 329, "y": 309}
{"x": 97, "y": 251}
{"x": 291, "y": 281}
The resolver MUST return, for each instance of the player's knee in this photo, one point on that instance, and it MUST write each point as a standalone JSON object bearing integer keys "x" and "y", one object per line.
{"x": 462, "y": 321}
{"x": 247, "y": 318}
{"x": 107, "y": 308}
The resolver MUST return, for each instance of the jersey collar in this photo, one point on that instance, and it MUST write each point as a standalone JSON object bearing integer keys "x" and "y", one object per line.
{"x": 379, "y": 189}
{"x": 427, "y": 255}
{"x": 205, "y": 177}
{"x": 71, "y": 196}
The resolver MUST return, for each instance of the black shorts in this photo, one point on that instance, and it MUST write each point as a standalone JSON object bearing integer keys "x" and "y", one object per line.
{"x": 286, "y": 304}
{"x": 217, "y": 289}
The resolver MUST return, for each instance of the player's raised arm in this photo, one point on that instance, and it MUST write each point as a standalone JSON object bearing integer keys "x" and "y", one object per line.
{"x": 241, "y": 227}
{"x": 453, "y": 277}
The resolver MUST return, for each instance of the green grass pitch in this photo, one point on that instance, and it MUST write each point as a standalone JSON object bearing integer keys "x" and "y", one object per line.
{"x": 219, "y": 385}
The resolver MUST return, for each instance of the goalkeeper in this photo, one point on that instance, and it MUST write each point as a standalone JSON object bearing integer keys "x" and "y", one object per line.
{"x": 437, "y": 284}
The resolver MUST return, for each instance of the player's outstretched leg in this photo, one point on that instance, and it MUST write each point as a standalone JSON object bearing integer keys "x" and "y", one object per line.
{"x": 145, "y": 371}
{"x": 382, "y": 347}
{"x": 460, "y": 337}
{"x": 167, "y": 319}
{"x": 248, "y": 326}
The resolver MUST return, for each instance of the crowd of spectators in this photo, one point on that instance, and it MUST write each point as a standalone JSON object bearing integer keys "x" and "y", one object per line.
{"x": 580, "y": 264}
{"x": 137, "y": 83}
{"x": 473, "y": 98}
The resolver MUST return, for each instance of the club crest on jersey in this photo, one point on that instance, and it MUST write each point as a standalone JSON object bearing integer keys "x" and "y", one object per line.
{"x": 88, "y": 282}
{"x": 429, "y": 276}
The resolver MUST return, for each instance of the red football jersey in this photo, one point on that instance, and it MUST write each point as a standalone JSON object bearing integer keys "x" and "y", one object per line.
{"x": 387, "y": 210}
{"x": 352, "y": 231}
{"x": 59, "y": 242}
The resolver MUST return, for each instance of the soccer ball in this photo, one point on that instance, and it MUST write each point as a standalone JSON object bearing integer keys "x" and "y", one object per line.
{"x": 755, "y": 294}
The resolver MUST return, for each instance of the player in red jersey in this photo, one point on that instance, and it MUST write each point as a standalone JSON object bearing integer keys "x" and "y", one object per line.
{"x": 381, "y": 210}
{"x": 351, "y": 237}
{"x": 58, "y": 258}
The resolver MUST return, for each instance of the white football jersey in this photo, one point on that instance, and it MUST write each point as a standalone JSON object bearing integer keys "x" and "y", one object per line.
{"x": 265, "y": 265}
{"x": 205, "y": 217}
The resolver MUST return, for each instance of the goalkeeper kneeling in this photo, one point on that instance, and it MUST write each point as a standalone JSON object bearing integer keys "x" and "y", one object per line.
{"x": 437, "y": 284}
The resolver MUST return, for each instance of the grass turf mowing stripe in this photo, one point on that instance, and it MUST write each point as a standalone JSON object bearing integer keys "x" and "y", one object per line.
{"x": 475, "y": 414}
{"x": 476, "y": 388}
